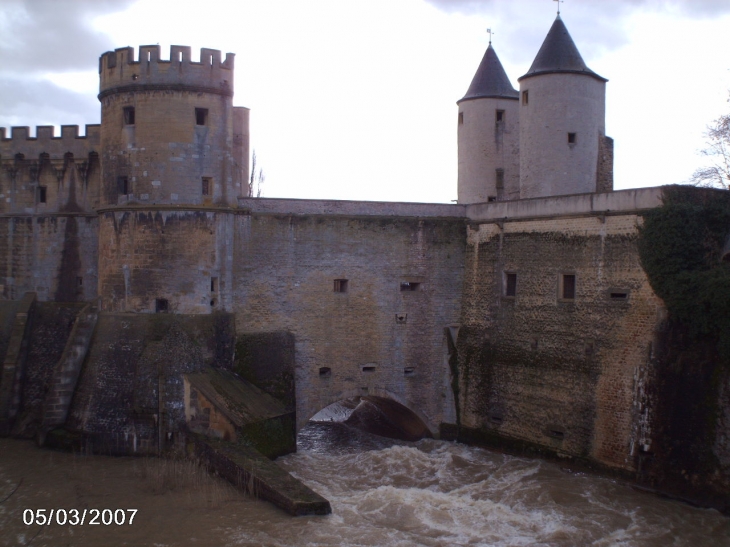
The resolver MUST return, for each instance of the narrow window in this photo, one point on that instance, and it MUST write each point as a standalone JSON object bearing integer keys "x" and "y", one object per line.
{"x": 571, "y": 138}
{"x": 510, "y": 284}
{"x": 325, "y": 372}
{"x": 340, "y": 285}
{"x": 619, "y": 295}
{"x": 499, "y": 117}
{"x": 406, "y": 286}
{"x": 500, "y": 178}
{"x": 161, "y": 305}
{"x": 568, "y": 287}
{"x": 368, "y": 369}
{"x": 79, "y": 281}
{"x": 128, "y": 115}
{"x": 41, "y": 194}
{"x": 525, "y": 97}
{"x": 149, "y": 56}
{"x": 207, "y": 186}
{"x": 409, "y": 371}
{"x": 213, "y": 284}
{"x": 461, "y": 118}
{"x": 123, "y": 185}
{"x": 201, "y": 116}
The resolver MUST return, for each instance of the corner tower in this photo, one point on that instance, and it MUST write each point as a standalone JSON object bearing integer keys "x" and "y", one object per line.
{"x": 488, "y": 136}
{"x": 563, "y": 146}
{"x": 174, "y": 155}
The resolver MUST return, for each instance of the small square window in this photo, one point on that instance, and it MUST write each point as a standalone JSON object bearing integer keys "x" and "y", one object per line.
{"x": 571, "y": 138}
{"x": 161, "y": 305}
{"x": 128, "y": 115}
{"x": 201, "y": 116}
{"x": 567, "y": 287}
{"x": 461, "y": 118}
{"x": 525, "y": 97}
{"x": 325, "y": 372}
{"x": 499, "y": 116}
{"x": 41, "y": 194}
{"x": 123, "y": 185}
{"x": 491, "y": 199}
{"x": 340, "y": 285}
{"x": 499, "y": 174}
{"x": 406, "y": 286}
{"x": 510, "y": 284}
{"x": 207, "y": 186}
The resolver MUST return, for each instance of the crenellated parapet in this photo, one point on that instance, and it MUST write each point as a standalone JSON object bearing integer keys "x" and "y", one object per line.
{"x": 18, "y": 141}
{"x": 120, "y": 72}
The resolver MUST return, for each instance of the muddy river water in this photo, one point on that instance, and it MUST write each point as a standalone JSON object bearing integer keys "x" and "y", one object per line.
{"x": 383, "y": 493}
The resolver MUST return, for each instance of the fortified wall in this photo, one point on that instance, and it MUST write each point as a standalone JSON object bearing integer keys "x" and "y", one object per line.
{"x": 134, "y": 261}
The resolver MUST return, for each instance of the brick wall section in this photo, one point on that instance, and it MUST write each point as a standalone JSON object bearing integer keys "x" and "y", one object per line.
{"x": 560, "y": 374}
{"x": 285, "y": 267}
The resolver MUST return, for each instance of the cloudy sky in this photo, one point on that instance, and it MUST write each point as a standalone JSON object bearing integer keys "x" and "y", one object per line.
{"x": 355, "y": 99}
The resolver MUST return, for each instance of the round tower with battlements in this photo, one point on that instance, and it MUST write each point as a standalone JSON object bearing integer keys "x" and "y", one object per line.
{"x": 563, "y": 145}
{"x": 174, "y": 156}
{"x": 488, "y": 136}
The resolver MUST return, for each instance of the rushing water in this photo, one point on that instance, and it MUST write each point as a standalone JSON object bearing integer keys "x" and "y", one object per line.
{"x": 383, "y": 492}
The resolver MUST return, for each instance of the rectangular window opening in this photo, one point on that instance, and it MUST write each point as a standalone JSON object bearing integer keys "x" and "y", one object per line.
{"x": 368, "y": 369}
{"x": 491, "y": 199}
{"x": 525, "y": 97}
{"x": 123, "y": 185}
{"x": 409, "y": 371}
{"x": 79, "y": 281}
{"x": 556, "y": 434}
{"x": 213, "y": 284}
{"x": 161, "y": 305}
{"x": 207, "y": 186}
{"x": 510, "y": 284}
{"x": 571, "y": 138}
{"x": 406, "y": 286}
{"x": 325, "y": 372}
{"x": 461, "y": 118}
{"x": 568, "y": 287}
{"x": 128, "y": 115}
{"x": 500, "y": 178}
{"x": 340, "y": 285}
{"x": 499, "y": 116}
{"x": 42, "y": 194}
{"x": 619, "y": 295}
{"x": 201, "y": 116}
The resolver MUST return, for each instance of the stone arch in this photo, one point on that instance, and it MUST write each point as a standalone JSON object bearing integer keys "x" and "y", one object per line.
{"x": 306, "y": 414}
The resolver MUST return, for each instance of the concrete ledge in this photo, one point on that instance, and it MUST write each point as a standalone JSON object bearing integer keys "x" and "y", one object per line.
{"x": 622, "y": 201}
{"x": 277, "y": 206}
{"x": 248, "y": 470}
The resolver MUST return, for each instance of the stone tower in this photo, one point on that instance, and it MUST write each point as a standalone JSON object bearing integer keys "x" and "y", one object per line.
{"x": 174, "y": 155}
{"x": 488, "y": 136}
{"x": 563, "y": 146}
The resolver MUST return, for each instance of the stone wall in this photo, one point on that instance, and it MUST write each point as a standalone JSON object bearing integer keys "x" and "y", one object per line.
{"x": 365, "y": 335}
{"x": 558, "y": 373}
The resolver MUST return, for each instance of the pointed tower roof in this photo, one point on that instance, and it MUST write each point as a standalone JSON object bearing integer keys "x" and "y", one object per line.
{"x": 490, "y": 80}
{"x": 559, "y": 54}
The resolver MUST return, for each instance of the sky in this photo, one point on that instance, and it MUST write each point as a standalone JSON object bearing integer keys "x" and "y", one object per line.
{"x": 356, "y": 99}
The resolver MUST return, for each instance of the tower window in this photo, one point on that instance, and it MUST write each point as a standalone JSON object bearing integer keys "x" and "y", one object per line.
{"x": 161, "y": 305}
{"x": 123, "y": 185}
{"x": 510, "y": 284}
{"x": 567, "y": 287}
{"x": 41, "y": 194}
{"x": 201, "y": 116}
{"x": 461, "y": 118}
{"x": 499, "y": 116}
{"x": 525, "y": 97}
{"x": 500, "y": 178}
{"x": 207, "y": 186}
{"x": 213, "y": 284}
{"x": 571, "y": 138}
{"x": 406, "y": 286}
{"x": 340, "y": 285}
{"x": 128, "y": 115}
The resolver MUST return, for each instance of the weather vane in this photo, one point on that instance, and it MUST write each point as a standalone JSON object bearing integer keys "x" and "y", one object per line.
{"x": 559, "y": 2}
{"x": 489, "y": 31}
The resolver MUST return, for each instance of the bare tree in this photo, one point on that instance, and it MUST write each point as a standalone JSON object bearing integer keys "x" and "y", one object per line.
{"x": 257, "y": 178}
{"x": 717, "y": 173}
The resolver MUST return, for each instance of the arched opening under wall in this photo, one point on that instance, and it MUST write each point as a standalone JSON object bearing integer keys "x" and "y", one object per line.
{"x": 376, "y": 415}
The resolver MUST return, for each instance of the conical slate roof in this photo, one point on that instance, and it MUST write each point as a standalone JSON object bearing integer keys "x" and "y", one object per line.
{"x": 559, "y": 54}
{"x": 490, "y": 80}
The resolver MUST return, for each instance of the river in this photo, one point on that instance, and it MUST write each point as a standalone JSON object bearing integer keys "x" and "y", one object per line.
{"x": 383, "y": 492}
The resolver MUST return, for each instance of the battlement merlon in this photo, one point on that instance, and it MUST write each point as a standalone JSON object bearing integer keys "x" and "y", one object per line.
{"x": 19, "y": 141}
{"x": 119, "y": 72}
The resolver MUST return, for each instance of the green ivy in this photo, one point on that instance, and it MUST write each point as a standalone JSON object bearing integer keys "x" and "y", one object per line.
{"x": 680, "y": 247}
